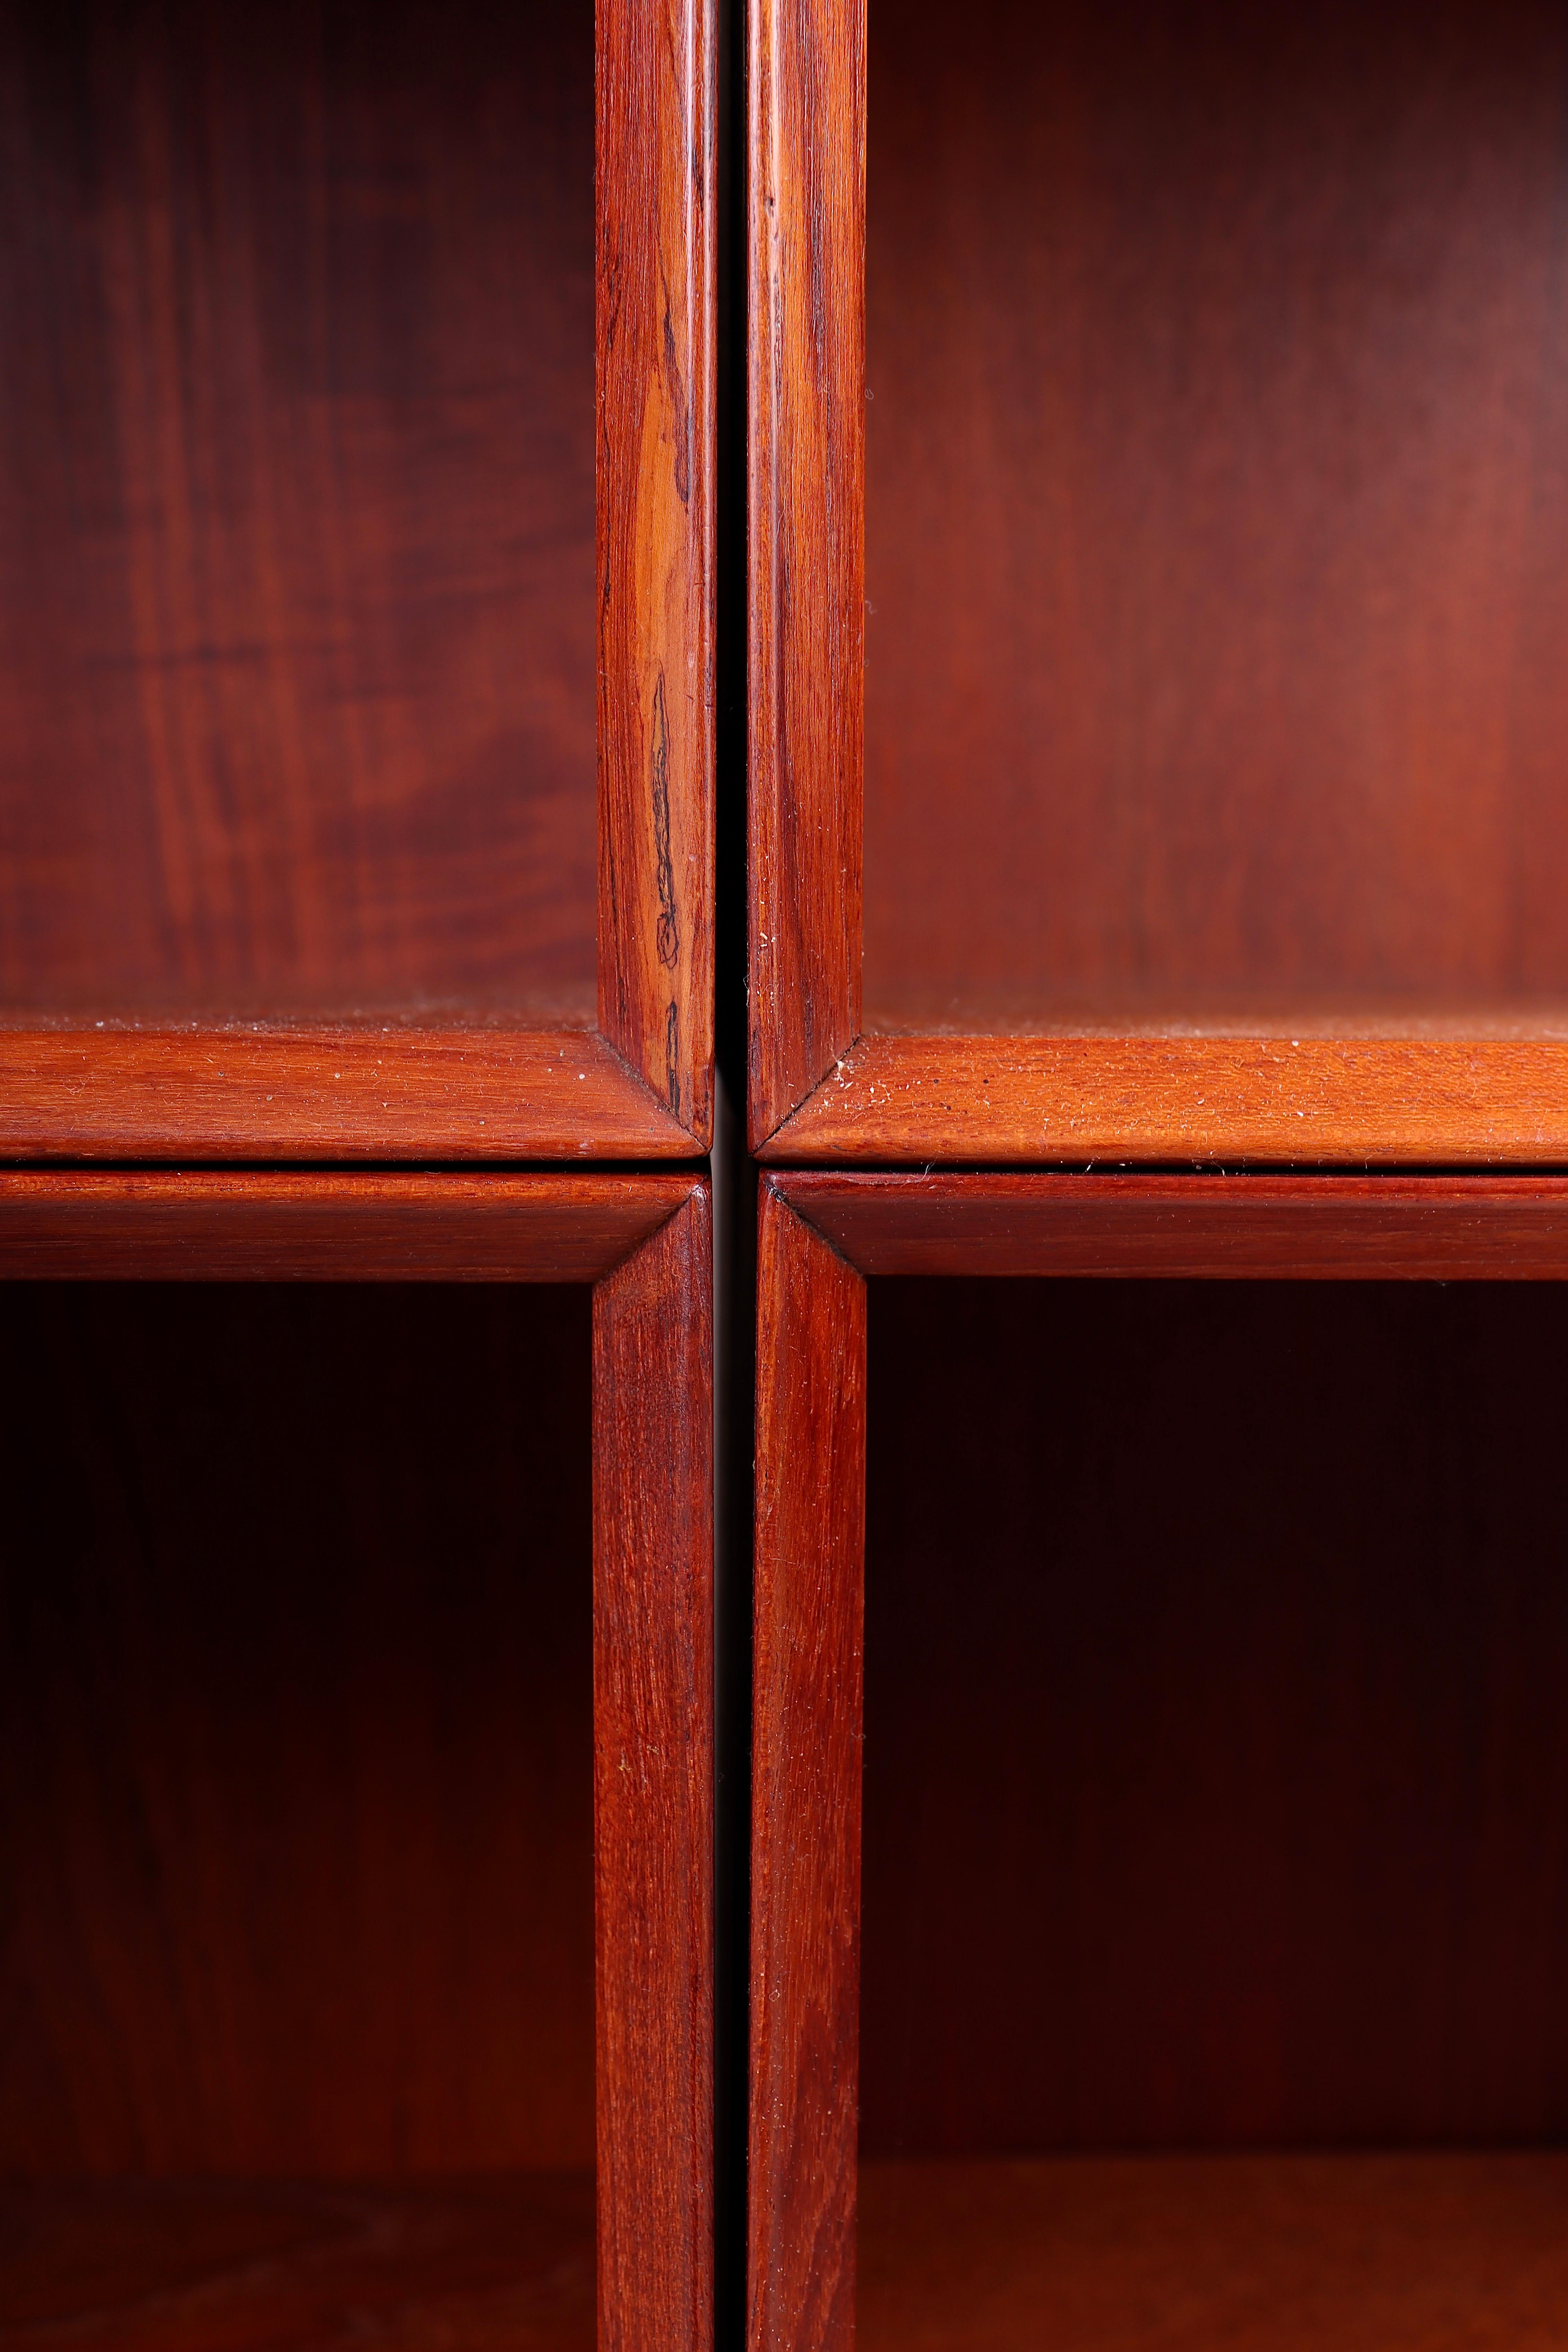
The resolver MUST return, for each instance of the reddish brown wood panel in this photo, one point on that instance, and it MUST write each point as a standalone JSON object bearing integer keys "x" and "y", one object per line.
{"x": 807, "y": 380}
{"x": 1290, "y": 1098}
{"x": 296, "y": 1737}
{"x": 1278, "y": 1228}
{"x": 72, "y": 1225}
{"x": 1217, "y": 511}
{"x": 225, "y": 2267}
{"x": 656, "y": 292}
{"x": 1215, "y": 1637}
{"x": 806, "y": 1807}
{"x": 392, "y": 1092}
{"x": 1252, "y": 2254}
{"x": 297, "y": 509}
{"x": 653, "y": 1784}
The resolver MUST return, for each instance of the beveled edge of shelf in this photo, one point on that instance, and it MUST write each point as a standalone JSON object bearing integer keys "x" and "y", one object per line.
{"x": 366, "y": 1090}
{"x": 96, "y": 1226}
{"x": 1243, "y": 1228}
{"x": 1418, "y": 1099}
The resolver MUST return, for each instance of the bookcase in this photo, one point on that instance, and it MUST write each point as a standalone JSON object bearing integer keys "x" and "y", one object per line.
{"x": 1156, "y": 580}
{"x": 1100, "y": 475}
{"x": 357, "y": 432}
{"x": 1156, "y": 969}
{"x": 1158, "y": 1886}
{"x": 357, "y": 1785}
{"x": 356, "y": 436}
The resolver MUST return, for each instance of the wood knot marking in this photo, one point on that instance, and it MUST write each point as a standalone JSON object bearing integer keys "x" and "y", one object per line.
{"x": 676, "y": 387}
{"x": 668, "y": 933}
{"x": 672, "y": 1057}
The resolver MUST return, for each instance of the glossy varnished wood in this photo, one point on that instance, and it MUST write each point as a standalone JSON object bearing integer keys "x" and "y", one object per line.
{"x": 298, "y": 456}
{"x": 80, "y": 1225}
{"x": 227, "y": 2267}
{"x": 1212, "y": 696}
{"x": 1273, "y": 1228}
{"x": 656, "y": 245}
{"x": 263, "y": 1091}
{"x": 805, "y": 1819}
{"x": 653, "y": 1787}
{"x": 806, "y": 328}
{"x": 1434, "y": 2021}
{"x": 1289, "y": 1098}
{"x": 1397, "y": 2254}
{"x": 241, "y": 1934}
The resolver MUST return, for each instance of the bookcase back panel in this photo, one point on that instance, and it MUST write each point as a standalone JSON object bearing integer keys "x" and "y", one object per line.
{"x": 296, "y": 608}
{"x": 1215, "y": 1763}
{"x": 296, "y": 1763}
{"x": 1216, "y": 512}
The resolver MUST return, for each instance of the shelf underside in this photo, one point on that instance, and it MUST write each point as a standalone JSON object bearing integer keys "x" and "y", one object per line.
{"x": 1294, "y": 2253}
{"x": 235, "y": 2267}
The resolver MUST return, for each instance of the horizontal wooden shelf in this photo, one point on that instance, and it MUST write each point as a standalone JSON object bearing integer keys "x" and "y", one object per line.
{"x": 1275, "y": 2253}
{"x": 1429, "y": 1097}
{"x": 1127, "y": 1226}
{"x": 314, "y": 1091}
{"x": 217, "y": 1225}
{"x": 236, "y": 2267}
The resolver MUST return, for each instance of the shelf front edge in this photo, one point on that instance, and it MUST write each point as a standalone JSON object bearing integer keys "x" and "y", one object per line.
{"x": 1070, "y": 1101}
{"x": 94, "y": 1224}
{"x": 296, "y": 1092}
{"x": 1207, "y": 1228}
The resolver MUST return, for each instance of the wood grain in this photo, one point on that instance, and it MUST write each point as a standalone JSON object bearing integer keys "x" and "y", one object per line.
{"x": 296, "y": 1732}
{"x": 806, "y": 377}
{"x": 1216, "y": 2254}
{"x": 1216, "y": 1634}
{"x": 226, "y": 2267}
{"x": 71, "y": 1226}
{"x": 297, "y": 509}
{"x": 805, "y": 1813}
{"x": 1272, "y": 1228}
{"x": 653, "y": 1787}
{"x": 656, "y": 327}
{"x": 298, "y": 458}
{"x": 1292, "y": 1099}
{"x": 1216, "y": 479}
{"x": 1213, "y": 462}
{"x": 261, "y": 1091}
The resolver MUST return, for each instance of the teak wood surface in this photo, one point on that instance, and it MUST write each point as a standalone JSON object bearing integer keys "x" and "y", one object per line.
{"x": 225, "y": 2266}
{"x": 821, "y": 1235}
{"x": 1375, "y": 2254}
{"x": 1252, "y": 1228}
{"x": 653, "y": 1787}
{"x": 806, "y": 1783}
{"x": 94, "y": 1225}
{"x": 645, "y": 1243}
{"x": 340, "y": 351}
{"x": 1156, "y": 683}
{"x": 296, "y": 1737}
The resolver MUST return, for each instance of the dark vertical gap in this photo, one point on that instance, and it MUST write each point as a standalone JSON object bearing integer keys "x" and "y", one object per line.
{"x": 734, "y": 1225}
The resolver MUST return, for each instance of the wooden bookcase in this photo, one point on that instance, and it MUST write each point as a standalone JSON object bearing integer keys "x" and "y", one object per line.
{"x": 1187, "y": 1597}
{"x": 1152, "y": 525}
{"x": 356, "y": 1806}
{"x": 356, "y": 501}
{"x": 1158, "y": 471}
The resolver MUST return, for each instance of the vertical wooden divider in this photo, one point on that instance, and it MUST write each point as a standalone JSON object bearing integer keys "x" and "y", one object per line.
{"x": 653, "y": 1787}
{"x": 806, "y": 1779}
{"x": 806, "y": 566}
{"x": 655, "y": 344}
